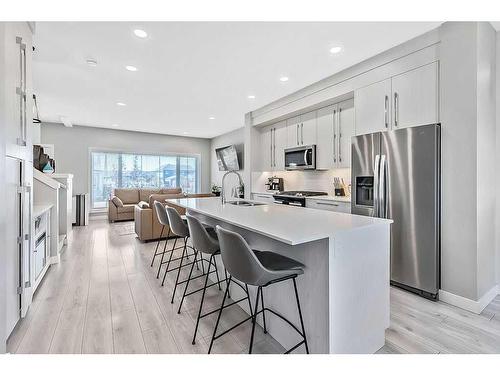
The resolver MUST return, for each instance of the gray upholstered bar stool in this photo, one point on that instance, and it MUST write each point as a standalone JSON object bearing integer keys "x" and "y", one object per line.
{"x": 260, "y": 269}
{"x": 205, "y": 242}
{"x": 161, "y": 214}
{"x": 179, "y": 227}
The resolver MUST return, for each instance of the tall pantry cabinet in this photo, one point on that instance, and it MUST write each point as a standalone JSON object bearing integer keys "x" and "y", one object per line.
{"x": 16, "y": 113}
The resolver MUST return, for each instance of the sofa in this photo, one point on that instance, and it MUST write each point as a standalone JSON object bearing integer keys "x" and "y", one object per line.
{"x": 122, "y": 202}
{"x": 147, "y": 226}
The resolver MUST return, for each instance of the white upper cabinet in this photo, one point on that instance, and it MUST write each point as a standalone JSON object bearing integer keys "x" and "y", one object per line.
{"x": 372, "y": 107}
{"x": 308, "y": 129}
{"x": 415, "y": 97}
{"x": 266, "y": 149}
{"x": 408, "y": 99}
{"x": 325, "y": 125}
{"x": 301, "y": 130}
{"x": 272, "y": 145}
{"x": 293, "y": 131}
{"x": 344, "y": 133}
{"x": 18, "y": 90}
{"x": 280, "y": 143}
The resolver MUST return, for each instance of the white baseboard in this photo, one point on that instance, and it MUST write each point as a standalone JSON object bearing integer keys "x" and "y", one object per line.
{"x": 469, "y": 304}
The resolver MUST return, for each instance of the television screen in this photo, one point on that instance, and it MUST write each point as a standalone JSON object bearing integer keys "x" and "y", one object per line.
{"x": 227, "y": 158}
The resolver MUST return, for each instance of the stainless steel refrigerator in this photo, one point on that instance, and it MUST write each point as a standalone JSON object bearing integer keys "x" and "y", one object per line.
{"x": 396, "y": 175}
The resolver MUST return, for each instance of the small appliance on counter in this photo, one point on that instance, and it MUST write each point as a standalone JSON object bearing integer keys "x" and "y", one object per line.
{"x": 296, "y": 198}
{"x": 274, "y": 184}
{"x": 341, "y": 189}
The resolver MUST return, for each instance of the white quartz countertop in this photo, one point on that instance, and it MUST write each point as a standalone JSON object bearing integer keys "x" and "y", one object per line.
{"x": 288, "y": 224}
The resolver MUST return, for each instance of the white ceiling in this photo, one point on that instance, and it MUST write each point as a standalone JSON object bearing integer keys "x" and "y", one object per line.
{"x": 188, "y": 72}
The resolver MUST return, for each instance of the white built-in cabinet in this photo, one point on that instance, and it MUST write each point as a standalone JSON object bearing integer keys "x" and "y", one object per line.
{"x": 335, "y": 128}
{"x": 16, "y": 115}
{"x": 273, "y": 141}
{"x": 301, "y": 130}
{"x": 408, "y": 99}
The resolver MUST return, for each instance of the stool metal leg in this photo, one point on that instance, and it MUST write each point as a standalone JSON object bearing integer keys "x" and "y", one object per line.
{"x": 163, "y": 253}
{"x": 263, "y": 309}
{"x": 157, "y": 245}
{"x": 202, "y": 299}
{"x": 248, "y": 298}
{"x": 220, "y": 313}
{"x": 216, "y": 270}
{"x": 187, "y": 282}
{"x": 179, "y": 270}
{"x": 300, "y": 315}
{"x": 254, "y": 319}
{"x": 168, "y": 264}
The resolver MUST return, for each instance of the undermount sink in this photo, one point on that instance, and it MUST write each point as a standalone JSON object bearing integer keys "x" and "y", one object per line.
{"x": 245, "y": 203}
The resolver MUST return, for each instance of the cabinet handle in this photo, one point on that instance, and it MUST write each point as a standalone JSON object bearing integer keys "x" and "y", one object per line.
{"x": 396, "y": 109}
{"x": 327, "y": 204}
{"x": 386, "y": 111}
{"x": 271, "y": 148}
{"x": 340, "y": 137}
{"x": 302, "y": 133}
{"x": 274, "y": 147}
{"x": 297, "y": 134}
{"x": 21, "y": 91}
{"x": 334, "y": 138}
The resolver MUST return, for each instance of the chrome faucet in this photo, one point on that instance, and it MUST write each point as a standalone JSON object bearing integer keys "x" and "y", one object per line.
{"x": 223, "y": 198}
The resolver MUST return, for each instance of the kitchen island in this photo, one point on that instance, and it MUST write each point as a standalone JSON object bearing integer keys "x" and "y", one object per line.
{"x": 344, "y": 290}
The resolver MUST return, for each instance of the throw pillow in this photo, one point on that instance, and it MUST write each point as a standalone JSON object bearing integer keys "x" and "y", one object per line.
{"x": 117, "y": 201}
{"x": 143, "y": 204}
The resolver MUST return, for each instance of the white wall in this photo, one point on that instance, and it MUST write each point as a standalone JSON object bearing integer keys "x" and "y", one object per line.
{"x": 235, "y": 137}
{"x": 3, "y": 249}
{"x": 497, "y": 241}
{"x": 486, "y": 163}
{"x": 72, "y": 149}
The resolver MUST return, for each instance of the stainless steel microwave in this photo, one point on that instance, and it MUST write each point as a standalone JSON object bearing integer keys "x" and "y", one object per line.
{"x": 303, "y": 157}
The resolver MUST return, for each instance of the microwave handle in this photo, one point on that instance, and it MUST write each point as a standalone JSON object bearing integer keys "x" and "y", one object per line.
{"x": 305, "y": 157}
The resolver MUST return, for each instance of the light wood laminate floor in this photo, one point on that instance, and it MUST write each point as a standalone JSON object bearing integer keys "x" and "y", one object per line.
{"x": 103, "y": 297}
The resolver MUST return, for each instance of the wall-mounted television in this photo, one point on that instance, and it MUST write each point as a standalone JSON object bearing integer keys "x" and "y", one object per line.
{"x": 227, "y": 158}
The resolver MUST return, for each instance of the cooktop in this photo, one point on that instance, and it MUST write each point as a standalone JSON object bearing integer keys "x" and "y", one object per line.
{"x": 298, "y": 193}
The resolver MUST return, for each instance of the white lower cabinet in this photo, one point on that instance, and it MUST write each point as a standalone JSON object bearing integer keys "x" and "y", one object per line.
{"x": 263, "y": 197}
{"x": 329, "y": 205}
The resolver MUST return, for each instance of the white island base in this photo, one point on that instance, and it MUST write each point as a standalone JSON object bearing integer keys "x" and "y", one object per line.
{"x": 344, "y": 291}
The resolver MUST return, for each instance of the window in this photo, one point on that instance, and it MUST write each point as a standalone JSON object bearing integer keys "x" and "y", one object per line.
{"x": 111, "y": 170}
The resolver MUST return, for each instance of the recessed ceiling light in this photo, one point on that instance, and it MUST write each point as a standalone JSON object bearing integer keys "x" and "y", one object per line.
{"x": 185, "y": 133}
{"x": 284, "y": 79}
{"x": 91, "y": 62}
{"x": 251, "y": 96}
{"x": 335, "y": 49}
{"x": 211, "y": 118}
{"x": 140, "y": 33}
{"x": 121, "y": 104}
{"x": 131, "y": 68}
{"x": 115, "y": 125}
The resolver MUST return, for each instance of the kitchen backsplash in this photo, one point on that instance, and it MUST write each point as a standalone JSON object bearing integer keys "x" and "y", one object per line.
{"x": 303, "y": 180}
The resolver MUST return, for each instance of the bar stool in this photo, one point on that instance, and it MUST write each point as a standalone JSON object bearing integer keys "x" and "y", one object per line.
{"x": 179, "y": 227}
{"x": 260, "y": 269}
{"x": 205, "y": 242}
{"x": 161, "y": 214}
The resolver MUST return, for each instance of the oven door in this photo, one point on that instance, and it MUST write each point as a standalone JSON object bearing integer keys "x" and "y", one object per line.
{"x": 300, "y": 158}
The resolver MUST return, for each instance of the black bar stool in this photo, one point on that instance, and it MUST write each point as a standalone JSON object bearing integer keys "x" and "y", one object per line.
{"x": 161, "y": 214}
{"x": 205, "y": 242}
{"x": 260, "y": 269}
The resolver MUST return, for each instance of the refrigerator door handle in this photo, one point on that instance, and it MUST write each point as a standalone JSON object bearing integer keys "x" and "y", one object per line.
{"x": 382, "y": 187}
{"x": 376, "y": 172}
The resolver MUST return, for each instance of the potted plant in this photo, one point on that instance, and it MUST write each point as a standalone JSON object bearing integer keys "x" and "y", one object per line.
{"x": 216, "y": 190}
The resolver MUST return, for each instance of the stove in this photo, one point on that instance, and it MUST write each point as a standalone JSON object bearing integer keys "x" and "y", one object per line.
{"x": 295, "y": 197}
